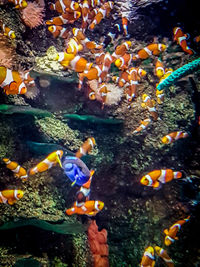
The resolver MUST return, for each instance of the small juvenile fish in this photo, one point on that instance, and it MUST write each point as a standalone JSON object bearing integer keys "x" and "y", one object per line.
{"x": 180, "y": 37}
{"x": 19, "y": 3}
{"x": 150, "y": 105}
{"x": 90, "y": 208}
{"x": 156, "y": 177}
{"x": 121, "y": 50}
{"x": 171, "y": 137}
{"x": 173, "y": 230}
{"x": 51, "y": 160}
{"x": 10, "y": 196}
{"x": 86, "y": 147}
{"x": 61, "y": 6}
{"x": 148, "y": 259}
{"x": 142, "y": 126}
{"x": 163, "y": 254}
{"x": 19, "y": 171}
{"x": 103, "y": 91}
{"x": 7, "y": 31}
{"x": 159, "y": 68}
{"x": 64, "y": 18}
{"x": 58, "y": 31}
{"x": 152, "y": 49}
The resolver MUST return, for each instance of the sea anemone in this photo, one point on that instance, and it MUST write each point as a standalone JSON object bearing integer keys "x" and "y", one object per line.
{"x": 32, "y": 15}
{"x": 7, "y": 53}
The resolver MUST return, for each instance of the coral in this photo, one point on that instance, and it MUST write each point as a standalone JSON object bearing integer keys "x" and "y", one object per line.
{"x": 179, "y": 73}
{"x": 81, "y": 251}
{"x": 7, "y": 53}
{"x": 32, "y": 15}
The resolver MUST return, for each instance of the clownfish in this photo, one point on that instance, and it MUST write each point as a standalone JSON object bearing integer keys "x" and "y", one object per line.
{"x": 91, "y": 93}
{"x": 162, "y": 253}
{"x": 148, "y": 259}
{"x": 64, "y": 18}
{"x": 103, "y": 12}
{"x": 160, "y": 96}
{"x": 61, "y": 6}
{"x": 121, "y": 50}
{"x": 125, "y": 25}
{"x": 105, "y": 67}
{"x": 152, "y": 49}
{"x": 28, "y": 80}
{"x": 84, "y": 40}
{"x": 73, "y": 47}
{"x": 10, "y": 196}
{"x": 103, "y": 91}
{"x": 64, "y": 58}
{"x": 180, "y": 38}
{"x": 85, "y": 10}
{"x": 58, "y": 31}
{"x": 173, "y": 230}
{"x": 150, "y": 105}
{"x": 11, "y": 82}
{"x": 19, "y": 171}
{"x": 86, "y": 147}
{"x": 122, "y": 80}
{"x": 157, "y": 177}
{"x": 171, "y": 137}
{"x": 99, "y": 57}
{"x": 7, "y": 31}
{"x": 90, "y": 208}
{"x": 92, "y": 74}
{"x": 124, "y": 62}
{"x": 79, "y": 64}
{"x": 19, "y": 3}
{"x": 159, "y": 68}
{"x": 51, "y": 160}
{"x": 143, "y": 125}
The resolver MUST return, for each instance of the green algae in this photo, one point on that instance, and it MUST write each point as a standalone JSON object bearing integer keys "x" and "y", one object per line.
{"x": 64, "y": 228}
{"x": 92, "y": 119}
{"x": 27, "y": 110}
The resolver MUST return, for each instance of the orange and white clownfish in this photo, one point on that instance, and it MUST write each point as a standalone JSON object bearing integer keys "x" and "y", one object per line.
{"x": 150, "y": 105}
{"x": 152, "y": 49}
{"x": 79, "y": 64}
{"x": 28, "y": 80}
{"x": 78, "y": 33}
{"x": 90, "y": 208}
{"x": 91, "y": 74}
{"x": 148, "y": 259}
{"x": 65, "y": 18}
{"x": 133, "y": 80}
{"x": 19, "y": 171}
{"x": 85, "y": 10}
{"x": 73, "y": 46}
{"x": 103, "y": 91}
{"x": 10, "y": 196}
{"x": 64, "y": 58}
{"x": 91, "y": 93}
{"x": 86, "y": 147}
{"x": 7, "y": 31}
{"x": 105, "y": 67}
{"x": 180, "y": 37}
{"x": 19, "y": 3}
{"x": 11, "y": 82}
{"x": 122, "y": 80}
{"x": 171, "y": 137}
{"x": 103, "y": 12}
{"x": 143, "y": 125}
{"x": 154, "y": 178}
{"x": 159, "y": 68}
{"x": 84, "y": 192}
{"x": 160, "y": 96}
{"x": 162, "y": 253}
{"x": 121, "y": 50}
{"x": 125, "y": 25}
{"x": 124, "y": 62}
{"x": 61, "y": 5}
{"x": 173, "y": 230}
{"x": 58, "y": 31}
{"x": 51, "y": 160}
{"x": 99, "y": 56}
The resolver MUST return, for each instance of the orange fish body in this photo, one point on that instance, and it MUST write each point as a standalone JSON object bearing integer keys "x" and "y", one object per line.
{"x": 180, "y": 38}
{"x": 148, "y": 102}
{"x": 121, "y": 50}
{"x": 91, "y": 94}
{"x": 148, "y": 259}
{"x": 86, "y": 147}
{"x": 11, "y": 82}
{"x": 99, "y": 57}
{"x": 85, "y": 12}
{"x": 80, "y": 64}
{"x": 19, "y": 171}
{"x": 93, "y": 73}
{"x": 171, "y": 137}
{"x": 159, "y": 69}
{"x": 105, "y": 68}
{"x": 125, "y": 25}
{"x": 58, "y": 31}
{"x": 7, "y": 31}
{"x": 142, "y": 126}
{"x": 173, "y": 230}
{"x": 133, "y": 79}
{"x": 122, "y": 80}
{"x": 73, "y": 47}
{"x": 10, "y": 196}
{"x": 91, "y": 208}
{"x": 124, "y": 62}
{"x": 160, "y": 96}
{"x": 152, "y": 49}
{"x": 64, "y": 58}
{"x": 64, "y": 18}
{"x": 61, "y": 5}
{"x": 103, "y": 12}
{"x": 28, "y": 79}
{"x": 51, "y": 160}
{"x": 156, "y": 177}
{"x": 103, "y": 91}
{"x": 163, "y": 254}
{"x": 19, "y": 3}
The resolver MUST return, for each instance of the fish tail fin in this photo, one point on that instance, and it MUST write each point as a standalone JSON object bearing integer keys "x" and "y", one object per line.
{"x": 177, "y": 175}
{"x": 92, "y": 173}
{"x": 187, "y": 219}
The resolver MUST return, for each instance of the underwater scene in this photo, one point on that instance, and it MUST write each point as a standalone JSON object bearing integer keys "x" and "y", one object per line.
{"x": 99, "y": 133}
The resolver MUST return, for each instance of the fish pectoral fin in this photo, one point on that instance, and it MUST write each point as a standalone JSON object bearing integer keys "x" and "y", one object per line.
{"x": 11, "y": 201}
{"x": 156, "y": 185}
{"x": 59, "y": 161}
{"x": 166, "y": 232}
{"x": 92, "y": 173}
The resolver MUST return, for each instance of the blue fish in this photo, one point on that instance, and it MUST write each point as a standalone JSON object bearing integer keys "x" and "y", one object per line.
{"x": 76, "y": 170}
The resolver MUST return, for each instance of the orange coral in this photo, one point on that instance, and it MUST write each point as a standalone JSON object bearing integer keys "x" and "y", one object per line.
{"x": 32, "y": 15}
{"x": 98, "y": 245}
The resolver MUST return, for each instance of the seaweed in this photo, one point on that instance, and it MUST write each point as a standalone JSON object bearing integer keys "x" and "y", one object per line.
{"x": 27, "y": 110}
{"x": 65, "y": 228}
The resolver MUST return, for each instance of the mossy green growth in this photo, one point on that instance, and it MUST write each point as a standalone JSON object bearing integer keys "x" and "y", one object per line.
{"x": 27, "y": 262}
{"x": 179, "y": 73}
{"x": 64, "y": 228}
{"x": 27, "y": 110}
{"x": 92, "y": 119}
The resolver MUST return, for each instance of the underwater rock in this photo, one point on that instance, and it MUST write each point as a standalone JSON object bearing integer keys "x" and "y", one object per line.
{"x": 27, "y": 110}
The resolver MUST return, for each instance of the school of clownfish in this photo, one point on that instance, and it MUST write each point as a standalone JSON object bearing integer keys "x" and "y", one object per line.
{"x": 13, "y": 82}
